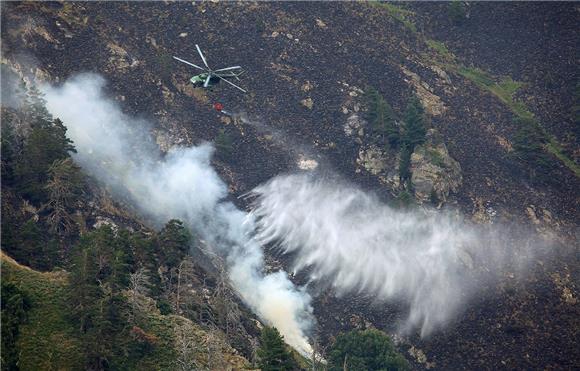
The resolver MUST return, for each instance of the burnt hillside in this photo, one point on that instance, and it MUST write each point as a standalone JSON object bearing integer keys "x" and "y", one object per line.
{"x": 307, "y": 65}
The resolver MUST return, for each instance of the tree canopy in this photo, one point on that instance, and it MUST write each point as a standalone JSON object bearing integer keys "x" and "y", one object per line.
{"x": 272, "y": 353}
{"x": 364, "y": 351}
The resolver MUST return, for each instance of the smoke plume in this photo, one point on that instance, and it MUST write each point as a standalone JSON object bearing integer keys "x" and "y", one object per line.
{"x": 352, "y": 240}
{"x": 116, "y": 149}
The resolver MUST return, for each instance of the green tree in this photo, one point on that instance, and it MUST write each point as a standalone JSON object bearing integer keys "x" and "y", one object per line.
{"x": 29, "y": 245}
{"x": 381, "y": 117}
{"x": 64, "y": 187}
{"x": 15, "y": 305}
{"x": 414, "y": 128}
{"x": 9, "y": 151}
{"x": 34, "y": 107}
{"x": 272, "y": 354}
{"x": 46, "y": 143}
{"x": 364, "y": 351}
{"x": 174, "y": 242}
{"x": 99, "y": 274}
{"x": 405, "y": 165}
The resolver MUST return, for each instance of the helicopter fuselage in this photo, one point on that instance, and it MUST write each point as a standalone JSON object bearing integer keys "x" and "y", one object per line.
{"x": 198, "y": 80}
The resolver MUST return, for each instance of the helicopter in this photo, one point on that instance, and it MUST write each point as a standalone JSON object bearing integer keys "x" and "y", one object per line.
{"x": 212, "y": 77}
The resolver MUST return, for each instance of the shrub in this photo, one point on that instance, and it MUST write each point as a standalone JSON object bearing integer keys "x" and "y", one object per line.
{"x": 457, "y": 12}
{"x": 529, "y": 143}
{"x": 224, "y": 144}
{"x": 365, "y": 350}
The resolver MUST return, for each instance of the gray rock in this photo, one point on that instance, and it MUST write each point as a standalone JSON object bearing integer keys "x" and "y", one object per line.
{"x": 372, "y": 159}
{"x": 434, "y": 171}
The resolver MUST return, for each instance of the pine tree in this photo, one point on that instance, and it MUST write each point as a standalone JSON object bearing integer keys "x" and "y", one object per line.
{"x": 381, "y": 117}
{"x": 46, "y": 144}
{"x": 9, "y": 152}
{"x": 64, "y": 187}
{"x": 99, "y": 274}
{"x": 414, "y": 130}
{"x": 174, "y": 242}
{"x": 405, "y": 164}
{"x": 34, "y": 107}
{"x": 272, "y": 353}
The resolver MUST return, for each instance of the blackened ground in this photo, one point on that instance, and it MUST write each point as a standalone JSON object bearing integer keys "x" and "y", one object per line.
{"x": 328, "y": 44}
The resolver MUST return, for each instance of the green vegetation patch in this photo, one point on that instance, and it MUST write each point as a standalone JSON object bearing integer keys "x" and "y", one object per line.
{"x": 554, "y": 148}
{"x": 46, "y": 340}
{"x": 365, "y": 350}
{"x": 400, "y": 14}
{"x": 436, "y": 158}
{"x": 503, "y": 89}
{"x": 441, "y": 49}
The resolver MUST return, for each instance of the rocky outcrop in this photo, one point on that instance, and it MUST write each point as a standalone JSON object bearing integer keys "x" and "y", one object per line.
{"x": 372, "y": 159}
{"x": 432, "y": 103}
{"x": 354, "y": 127}
{"x": 434, "y": 173}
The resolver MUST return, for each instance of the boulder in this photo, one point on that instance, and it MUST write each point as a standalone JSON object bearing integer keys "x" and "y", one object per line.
{"x": 372, "y": 159}
{"x": 354, "y": 125}
{"x": 434, "y": 172}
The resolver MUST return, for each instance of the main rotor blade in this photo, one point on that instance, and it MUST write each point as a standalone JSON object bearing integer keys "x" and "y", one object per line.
{"x": 231, "y": 83}
{"x": 206, "y": 83}
{"x": 191, "y": 64}
{"x": 228, "y": 69}
{"x": 202, "y": 57}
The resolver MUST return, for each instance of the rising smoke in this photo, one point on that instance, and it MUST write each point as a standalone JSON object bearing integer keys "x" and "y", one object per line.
{"x": 428, "y": 261}
{"x": 338, "y": 233}
{"x": 116, "y": 149}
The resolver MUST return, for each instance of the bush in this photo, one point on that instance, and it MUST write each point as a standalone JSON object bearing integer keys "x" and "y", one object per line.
{"x": 224, "y": 144}
{"x": 365, "y": 350}
{"x": 457, "y": 12}
{"x": 528, "y": 144}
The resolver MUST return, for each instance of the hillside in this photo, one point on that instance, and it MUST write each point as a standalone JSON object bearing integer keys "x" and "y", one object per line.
{"x": 47, "y": 339}
{"x": 499, "y": 87}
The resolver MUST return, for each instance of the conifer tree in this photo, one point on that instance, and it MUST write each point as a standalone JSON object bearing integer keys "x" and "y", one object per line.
{"x": 45, "y": 144}
{"x": 174, "y": 240}
{"x": 415, "y": 131}
{"x": 405, "y": 164}
{"x": 34, "y": 107}
{"x": 8, "y": 157}
{"x": 272, "y": 354}
{"x": 64, "y": 187}
{"x": 381, "y": 117}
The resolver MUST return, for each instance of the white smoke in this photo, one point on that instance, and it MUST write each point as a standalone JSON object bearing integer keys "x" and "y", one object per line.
{"x": 430, "y": 261}
{"x": 117, "y": 149}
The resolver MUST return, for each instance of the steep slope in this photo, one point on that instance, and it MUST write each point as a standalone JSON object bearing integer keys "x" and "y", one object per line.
{"x": 47, "y": 339}
{"x": 323, "y": 55}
